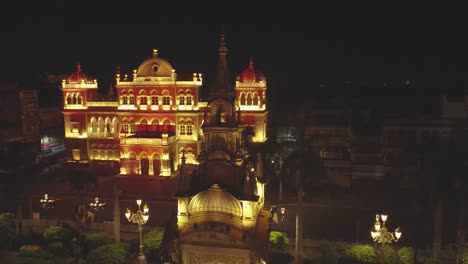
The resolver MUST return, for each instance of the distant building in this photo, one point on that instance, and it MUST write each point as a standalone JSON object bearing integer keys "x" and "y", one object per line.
{"x": 51, "y": 130}
{"x": 358, "y": 144}
{"x": 20, "y": 129}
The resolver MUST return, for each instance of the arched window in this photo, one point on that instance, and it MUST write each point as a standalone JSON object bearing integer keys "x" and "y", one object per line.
{"x": 181, "y": 98}
{"x": 124, "y": 98}
{"x": 125, "y": 126}
{"x": 115, "y": 126}
{"x": 249, "y": 99}
{"x": 242, "y": 99}
{"x": 101, "y": 125}
{"x": 80, "y": 100}
{"x": 74, "y": 99}
{"x": 255, "y": 99}
{"x": 166, "y": 99}
{"x": 188, "y": 98}
{"x": 154, "y": 98}
{"x": 131, "y": 127}
{"x": 94, "y": 125}
{"x": 131, "y": 98}
{"x": 189, "y": 127}
{"x": 69, "y": 99}
{"x": 108, "y": 125}
{"x": 182, "y": 131}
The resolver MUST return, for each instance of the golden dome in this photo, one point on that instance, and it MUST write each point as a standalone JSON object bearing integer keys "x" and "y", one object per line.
{"x": 215, "y": 200}
{"x": 155, "y": 67}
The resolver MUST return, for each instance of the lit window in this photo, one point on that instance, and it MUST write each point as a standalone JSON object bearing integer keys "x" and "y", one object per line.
{"x": 131, "y": 100}
{"x": 76, "y": 154}
{"x": 124, "y": 100}
{"x": 181, "y": 129}
{"x": 189, "y": 129}
{"x": 75, "y": 127}
{"x": 125, "y": 128}
{"x": 181, "y": 100}
{"x": 188, "y": 100}
{"x": 166, "y": 100}
{"x": 143, "y": 100}
{"x": 154, "y": 100}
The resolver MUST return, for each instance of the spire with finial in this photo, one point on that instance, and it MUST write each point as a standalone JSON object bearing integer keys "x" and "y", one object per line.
{"x": 251, "y": 64}
{"x": 224, "y": 84}
{"x": 78, "y": 67}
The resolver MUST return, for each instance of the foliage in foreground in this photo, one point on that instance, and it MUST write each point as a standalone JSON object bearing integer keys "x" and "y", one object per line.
{"x": 109, "y": 254}
{"x": 362, "y": 253}
{"x": 95, "y": 240}
{"x": 278, "y": 239}
{"x": 152, "y": 242}
{"x": 7, "y": 230}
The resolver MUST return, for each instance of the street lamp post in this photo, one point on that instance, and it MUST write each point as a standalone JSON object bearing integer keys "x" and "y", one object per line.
{"x": 46, "y": 205}
{"x": 381, "y": 235}
{"x": 284, "y": 234}
{"x": 140, "y": 218}
{"x": 97, "y": 207}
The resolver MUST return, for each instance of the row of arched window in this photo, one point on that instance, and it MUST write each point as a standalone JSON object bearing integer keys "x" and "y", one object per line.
{"x": 73, "y": 98}
{"x": 165, "y": 98}
{"x": 185, "y": 126}
{"x": 249, "y": 98}
{"x": 101, "y": 125}
{"x": 104, "y": 152}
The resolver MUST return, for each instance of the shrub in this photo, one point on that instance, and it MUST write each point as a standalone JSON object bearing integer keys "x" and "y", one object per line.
{"x": 95, "y": 240}
{"x": 152, "y": 242}
{"x": 61, "y": 232}
{"x": 361, "y": 253}
{"x": 7, "y": 230}
{"x": 109, "y": 254}
{"x": 278, "y": 239}
{"x": 406, "y": 255}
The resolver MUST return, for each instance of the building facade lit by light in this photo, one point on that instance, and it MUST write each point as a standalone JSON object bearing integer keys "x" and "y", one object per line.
{"x": 150, "y": 116}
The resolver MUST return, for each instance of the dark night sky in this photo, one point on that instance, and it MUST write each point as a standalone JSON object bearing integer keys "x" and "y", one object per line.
{"x": 296, "y": 46}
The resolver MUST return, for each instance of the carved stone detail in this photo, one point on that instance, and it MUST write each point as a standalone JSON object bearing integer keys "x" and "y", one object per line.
{"x": 199, "y": 258}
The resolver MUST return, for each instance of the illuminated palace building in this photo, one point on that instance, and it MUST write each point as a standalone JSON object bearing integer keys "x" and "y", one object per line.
{"x": 152, "y": 116}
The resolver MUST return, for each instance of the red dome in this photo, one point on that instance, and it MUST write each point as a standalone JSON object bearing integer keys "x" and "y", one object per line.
{"x": 77, "y": 76}
{"x": 249, "y": 75}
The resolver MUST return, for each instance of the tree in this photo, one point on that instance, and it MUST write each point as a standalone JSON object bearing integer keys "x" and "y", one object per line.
{"x": 278, "y": 240}
{"x": 7, "y": 230}
{"x": 152, "y": 242}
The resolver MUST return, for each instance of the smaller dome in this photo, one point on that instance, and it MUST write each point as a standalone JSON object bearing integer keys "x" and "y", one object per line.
{"x": 155, "y": 67}
{"x": 77, "y": 76}
{"x": 215, "y": 200}
{"x": 249, "y": 75}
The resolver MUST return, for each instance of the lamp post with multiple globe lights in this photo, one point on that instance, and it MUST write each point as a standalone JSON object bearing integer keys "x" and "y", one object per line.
{"x": 140, "y": 218}
{"x": 97, "y": 206}
{"x": 381, "y": 235}
{"x": 46, "y": 205}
